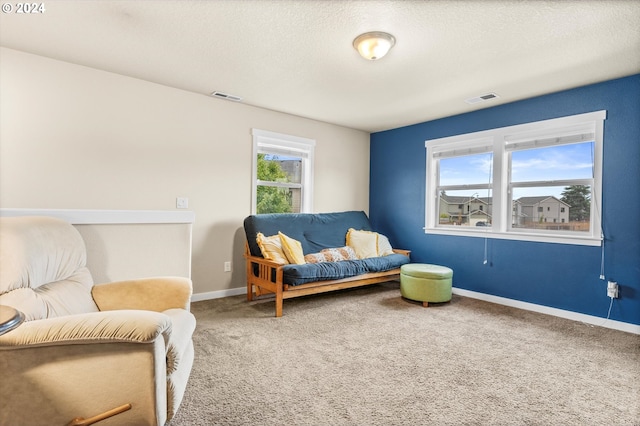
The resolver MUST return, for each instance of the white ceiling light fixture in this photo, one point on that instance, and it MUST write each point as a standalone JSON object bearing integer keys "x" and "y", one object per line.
{"x": 374, "y": 45}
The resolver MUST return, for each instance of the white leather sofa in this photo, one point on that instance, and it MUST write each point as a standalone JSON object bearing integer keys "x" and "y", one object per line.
{"x": 87, "y": 349}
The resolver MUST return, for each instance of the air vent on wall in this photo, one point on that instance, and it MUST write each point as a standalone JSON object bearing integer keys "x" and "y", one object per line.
{"x": 226, "y": 96}
{"x": 481, "y": 98}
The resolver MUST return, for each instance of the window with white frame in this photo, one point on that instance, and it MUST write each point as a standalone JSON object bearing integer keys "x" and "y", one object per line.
{"x": 538, "y": 181}
{"x": 282, "y": 173}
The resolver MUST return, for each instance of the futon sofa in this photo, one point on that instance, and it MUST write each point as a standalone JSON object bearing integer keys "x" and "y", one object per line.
{"x": 297, "y": 254}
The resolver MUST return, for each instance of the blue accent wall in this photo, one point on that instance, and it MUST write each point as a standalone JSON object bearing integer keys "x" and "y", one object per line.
{"x": 555, "y": 275}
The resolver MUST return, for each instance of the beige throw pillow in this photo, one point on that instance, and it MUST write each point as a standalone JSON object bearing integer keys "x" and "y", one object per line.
{"x": 364, "y": 243}
{"x": 292, "y": 249}
{"x": 271, "y": 248}
{"x": 384, "y": 246}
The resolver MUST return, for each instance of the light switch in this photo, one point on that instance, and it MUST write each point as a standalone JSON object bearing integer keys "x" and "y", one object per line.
{"x": 182, "y": 203}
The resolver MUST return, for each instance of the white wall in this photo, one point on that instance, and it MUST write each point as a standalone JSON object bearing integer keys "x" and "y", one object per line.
{"x": 73, "y": 137}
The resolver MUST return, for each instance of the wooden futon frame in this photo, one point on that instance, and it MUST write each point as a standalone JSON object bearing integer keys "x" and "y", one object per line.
{"x": 262, "y": 284}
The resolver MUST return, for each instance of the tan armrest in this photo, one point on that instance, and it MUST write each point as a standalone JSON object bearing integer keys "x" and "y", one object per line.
{"x": 151, "y": 294}
{"x": 94, "y": 327}
{"x": 263, "y": 261}
{"x": 401, "y": 251}
{"x": 265, "y": 268}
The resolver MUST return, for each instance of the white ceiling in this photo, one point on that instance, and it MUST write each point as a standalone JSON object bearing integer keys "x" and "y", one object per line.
{"x": 297, "y": 57}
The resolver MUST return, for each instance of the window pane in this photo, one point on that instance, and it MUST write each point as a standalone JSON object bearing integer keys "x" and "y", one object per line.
{"x": 465, "y": 208}
{"x": 283, "y": 173}
{"x": 552, "y": 208}
{"x": 464, "y": 170}
{"x": 279, "y": 168}
{"x": 545, "y": 177}
{"x": 272, "y": 199}
{"x": 561, "y": 162}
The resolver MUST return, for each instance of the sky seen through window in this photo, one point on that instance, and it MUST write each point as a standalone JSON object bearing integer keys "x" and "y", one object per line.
{"x": 571, "y": 161}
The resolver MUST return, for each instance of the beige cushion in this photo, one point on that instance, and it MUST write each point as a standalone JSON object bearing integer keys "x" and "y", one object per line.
{"x": 42, "y": 268}
{"x": 67, "y": 297}
{"x": 384, "y": 246}
{"x": 292, "y": 249}
{"x": 271, "y": 248}
{"x": 100, "y": 327}
{"x": 364, "y": 243}
{"x": 152, "y": 294}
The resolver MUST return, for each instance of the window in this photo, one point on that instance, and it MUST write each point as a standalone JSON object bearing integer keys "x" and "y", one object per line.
{"x": 282, "y": 173}
{"x": 537, "y": 181}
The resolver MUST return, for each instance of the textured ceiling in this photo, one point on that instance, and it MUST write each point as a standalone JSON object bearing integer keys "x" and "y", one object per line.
{"x": 296, "y": 56}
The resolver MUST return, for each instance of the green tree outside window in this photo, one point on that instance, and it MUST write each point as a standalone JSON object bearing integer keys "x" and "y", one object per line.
{"x": 271, "y": 199}
{"x": 578, "y": 197}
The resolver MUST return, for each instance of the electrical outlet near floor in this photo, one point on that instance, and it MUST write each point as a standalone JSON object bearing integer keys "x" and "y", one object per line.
{"x": 612, "y": 289}
{"x": 227, "y": 266}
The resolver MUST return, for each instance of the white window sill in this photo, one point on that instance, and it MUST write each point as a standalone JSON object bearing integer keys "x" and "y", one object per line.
{"x": 580, "y": 240}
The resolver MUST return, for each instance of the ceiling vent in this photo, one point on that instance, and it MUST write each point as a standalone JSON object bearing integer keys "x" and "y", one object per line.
{"x": 482, "y": 98}
{"x": 226, "y": 96}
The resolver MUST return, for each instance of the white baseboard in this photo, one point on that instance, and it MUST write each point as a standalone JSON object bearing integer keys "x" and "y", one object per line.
{"x": 575, "y": 316}
{"x": 198, "y": 297}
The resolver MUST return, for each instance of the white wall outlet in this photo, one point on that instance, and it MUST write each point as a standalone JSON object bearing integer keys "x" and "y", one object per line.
{"x": 227, "y": 266}
{"x": 612, "y": 289}
{"x": 182, "y": 203}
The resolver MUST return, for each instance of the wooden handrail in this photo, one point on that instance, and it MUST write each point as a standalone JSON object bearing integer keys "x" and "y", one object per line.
{"x": 79, "y": 421}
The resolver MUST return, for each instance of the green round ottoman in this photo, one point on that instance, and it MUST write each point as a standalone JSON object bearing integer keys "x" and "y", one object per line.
{"x": 426, "y": 283}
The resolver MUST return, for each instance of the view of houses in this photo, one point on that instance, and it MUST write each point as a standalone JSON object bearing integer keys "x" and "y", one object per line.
{"x": 543, "y": 212}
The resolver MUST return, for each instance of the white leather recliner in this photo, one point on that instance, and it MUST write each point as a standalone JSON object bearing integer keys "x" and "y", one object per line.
{"x": 119, "y": 353}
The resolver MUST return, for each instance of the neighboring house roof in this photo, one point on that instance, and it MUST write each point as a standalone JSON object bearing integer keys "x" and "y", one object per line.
{"x": 475, "y": 212}
{"x": 463, "y": 200}
{"x": 532, "y": 201}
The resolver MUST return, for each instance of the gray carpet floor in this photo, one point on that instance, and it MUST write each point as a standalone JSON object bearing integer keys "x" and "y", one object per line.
{"x": 368, "y": 357}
